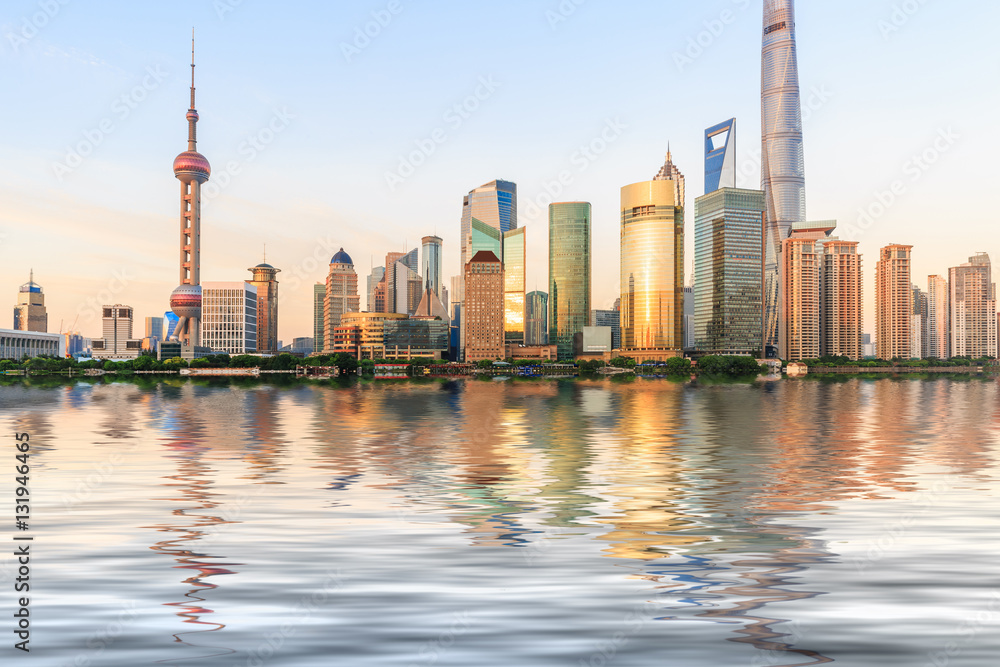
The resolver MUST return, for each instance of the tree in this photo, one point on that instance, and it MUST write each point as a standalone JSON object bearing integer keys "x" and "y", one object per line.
{"x": 244, "y": 361}
{"x": 678, "y": 365}
{"x": 345, "y": 362}
{"x": 144, "y": 362}
{"x": 485, "y": 364}
{"x": 622, "y": 362}
{"x": 725, "y": 365}
{"x": 590, "y": 365}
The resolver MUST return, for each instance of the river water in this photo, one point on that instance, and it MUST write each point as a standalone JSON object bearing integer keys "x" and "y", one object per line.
{"x": 768, "y": 523}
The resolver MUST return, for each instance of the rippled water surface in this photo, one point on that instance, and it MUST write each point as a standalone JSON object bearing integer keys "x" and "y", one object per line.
{"x": 512, "y": 523}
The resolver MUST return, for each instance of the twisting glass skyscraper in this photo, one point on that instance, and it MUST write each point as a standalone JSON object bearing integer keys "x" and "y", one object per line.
{"x": 783, "y": 164}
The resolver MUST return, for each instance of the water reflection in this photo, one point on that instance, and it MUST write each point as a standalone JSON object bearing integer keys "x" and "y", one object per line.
{"x": 191, "y": 489}
{"x": 713, "y": 497}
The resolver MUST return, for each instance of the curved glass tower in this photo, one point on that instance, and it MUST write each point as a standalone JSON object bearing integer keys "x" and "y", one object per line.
{"x": 783, "y": 164}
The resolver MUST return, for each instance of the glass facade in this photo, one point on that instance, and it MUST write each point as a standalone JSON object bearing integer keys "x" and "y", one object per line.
{"x": 493, "y": 204}
{"x": 319, "y": 299}
{"x": 611, "y": 319}
{"x": 720, "y": 156}
{"x": 513, "y": 266}
{"x": 432, "y": 264}
{"x": 169, "y": 324}
{"x": 782, "y": 161}
{"x": 652, "y": 264}
{"x": 536, "y": 318}
{"x": 728, "y": 271}
{"x": 484, "y": 237}
{"x": 569, "y": 273}
{"x": 488, "y": 212}
{"x": 423, "y": 335}
{"x": 374, "y": 278}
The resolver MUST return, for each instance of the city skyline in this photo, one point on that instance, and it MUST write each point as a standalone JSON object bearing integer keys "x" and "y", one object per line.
{"x": 116, "y": 265}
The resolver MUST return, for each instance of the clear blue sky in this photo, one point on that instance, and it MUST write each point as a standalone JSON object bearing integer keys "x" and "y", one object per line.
{"x": 885, "y": 85}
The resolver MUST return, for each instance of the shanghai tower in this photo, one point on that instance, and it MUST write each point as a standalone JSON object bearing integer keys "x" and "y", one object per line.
{"x": 782, "y": 162}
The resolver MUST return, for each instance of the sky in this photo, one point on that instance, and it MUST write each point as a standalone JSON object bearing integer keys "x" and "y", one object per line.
{"x": 362, "y": 124}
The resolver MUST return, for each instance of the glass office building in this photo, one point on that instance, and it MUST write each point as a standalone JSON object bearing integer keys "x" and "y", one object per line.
{"x": 416, "y": 337}
{"x": 432, "y": 264}
{"x": 513, "y": 289}
{"x": 720, "y": 156}
{"x": 495, "y": 205}
{"x": 536, "y": 318}
{"x": 569, "y": 273}
{"x": 652, "y": 262}
{"x": 728, "y": 271}
{"x": 612, "y": 320}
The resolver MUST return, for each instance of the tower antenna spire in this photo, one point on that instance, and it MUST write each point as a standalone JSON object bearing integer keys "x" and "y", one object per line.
{"x": 192, "y": 114}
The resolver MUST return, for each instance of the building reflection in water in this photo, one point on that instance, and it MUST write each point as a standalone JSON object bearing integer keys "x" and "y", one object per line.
{"x": 693, "y": 499}
{"x": 187, "y": 437}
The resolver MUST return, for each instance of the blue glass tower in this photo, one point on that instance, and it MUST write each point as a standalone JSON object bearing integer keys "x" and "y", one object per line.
{"x": 720, "y": 156}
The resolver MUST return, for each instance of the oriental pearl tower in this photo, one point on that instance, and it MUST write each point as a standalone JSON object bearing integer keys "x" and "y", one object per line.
{"x": 191, "y": 169}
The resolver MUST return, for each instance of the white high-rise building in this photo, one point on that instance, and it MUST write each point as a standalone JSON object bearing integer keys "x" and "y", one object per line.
{"x": 229, "y": 317}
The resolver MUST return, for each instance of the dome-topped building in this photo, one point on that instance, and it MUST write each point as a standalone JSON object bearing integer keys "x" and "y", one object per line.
{"x": 30, "y": 313}
{"x": 266, "y": 281}
{"x": 342, "y": 258}
{"x": 341, "y": 295}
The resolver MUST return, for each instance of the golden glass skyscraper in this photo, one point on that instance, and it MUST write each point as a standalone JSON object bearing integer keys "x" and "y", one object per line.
{"x": 652, "y": 263}
{"x": 513, "y": 289}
